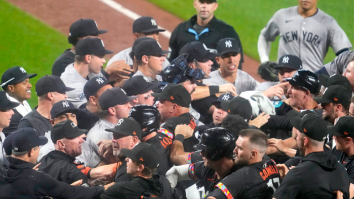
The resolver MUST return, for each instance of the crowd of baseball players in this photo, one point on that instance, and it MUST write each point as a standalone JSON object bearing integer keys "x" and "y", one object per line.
{"x": 185, "y": 122}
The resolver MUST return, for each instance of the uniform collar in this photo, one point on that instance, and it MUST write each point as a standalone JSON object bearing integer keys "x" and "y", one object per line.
{"x": 211, "y": 25}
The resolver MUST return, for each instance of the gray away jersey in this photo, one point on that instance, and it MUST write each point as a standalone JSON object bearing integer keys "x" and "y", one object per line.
{"x": 308, "y": 38}
{"x": 244, "y": 82}
{"x": 340, "y": 63}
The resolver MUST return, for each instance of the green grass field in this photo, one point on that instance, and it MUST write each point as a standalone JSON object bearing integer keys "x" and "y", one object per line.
{"x": 249, "y": 17}
{"x": 28, "y": 42}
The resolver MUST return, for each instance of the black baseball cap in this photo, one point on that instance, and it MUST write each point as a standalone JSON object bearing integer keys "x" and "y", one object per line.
{"x": 83, "y": 28}
{"x": 309, "y": 123}
{"x": 51, "y": 83}
{"x": 138, "y": 85}
{"x": 335, "y": 79}
{"x": 197, "y": 51}
{"x": 306, "y": 80}
{"x": 335, "y": 94}
{"x": 126, "y": 127}
{"x": 146, "y": 25}
{"x": 91, "y": 46}
{"x": 223, "y": 101}
{"x": 145, "y": 154}
{"x": 137, "y": 42}
{"x": 343, "y": 127}
{"x": 240, "y": 106}
{"x": 66, "y": 129}
{"x": 228, "y": 45}
{"x": 289, "y": 61}
{"x": 14, "y": 75}
{"x": 112, "y": 97}
{"x": 150, "y": 48}
{"x": 5, "y": 103}
{"x": 25, "y": 139}
{"x": 94, "y": 85}
{"x": 175, "y": 93}
{"x": 208, "y": 1}
{"x": 61, "y": 107}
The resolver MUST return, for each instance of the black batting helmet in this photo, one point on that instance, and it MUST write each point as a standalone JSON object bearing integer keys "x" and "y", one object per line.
{"x": 147, "y": 116}
{"x": 217, "y": 143}
{"x": 307, "y": 80}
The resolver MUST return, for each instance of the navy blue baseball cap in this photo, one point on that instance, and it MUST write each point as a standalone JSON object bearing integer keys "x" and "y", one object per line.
{"x": 146, "y": 25}
{"x": 91, "y": 46}
{"x": 112, "y": 97}
{"x": 5, "y": 103}
{"x": 83, "y": 28}
{"x": 138, "y": 85}
{"x": 27, "y": 138}
{"x": 223, "y": 101}
{"x": 51, "y": 83}
{"x": 14, "y": 75}
{"x": 228, "y": 45}
{"x": 289, "y": 61}
{"x": 197, "y": 51}
{"x": 94, "y": 85}
{"x": 61, "y": 107}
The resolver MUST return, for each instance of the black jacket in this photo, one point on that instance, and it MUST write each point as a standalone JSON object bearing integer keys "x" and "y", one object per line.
{"x": 318, "y": 175}
{"x": 137, "y": 187}
{"x": 217, "y": 30}
{"x": 62, "y": 167}
{"x": 21, "y": 181}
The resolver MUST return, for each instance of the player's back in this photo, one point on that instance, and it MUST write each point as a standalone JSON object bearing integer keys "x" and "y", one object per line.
{"x": 256, "y": 181}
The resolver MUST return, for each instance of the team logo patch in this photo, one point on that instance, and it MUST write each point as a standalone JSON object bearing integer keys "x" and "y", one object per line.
{"x": 285, "y": 59}
{"x": 141, "y": 159}
{"x": 226, "y": 97}
{"x": 99, "y": 80}
{"x": 172, "y": 98}
{"x": 22, "y": 70}
{"x": 153, "y": 22}
{"x": 65, "y": 104}
{"x": 119, "y": 122}
{"x": 345, "y": 133}
{"x": 228, "y": 44}
{"x": 73, "y": 125}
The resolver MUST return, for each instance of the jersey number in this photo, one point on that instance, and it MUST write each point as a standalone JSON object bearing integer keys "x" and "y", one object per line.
{"x": 272, "y": 182}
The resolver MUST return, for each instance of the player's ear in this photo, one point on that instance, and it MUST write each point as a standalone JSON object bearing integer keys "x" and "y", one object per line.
{"x": 88, "y": 58}
{"x": 195, "y": 3}
{"x": 145, "y": 59}
{"x": 11, "y": 88}
{"x": 216, "y": 5}
{"x": 254, "y": 153}
{"x": 217, "y": 59}
{"x": 92, "y": 99}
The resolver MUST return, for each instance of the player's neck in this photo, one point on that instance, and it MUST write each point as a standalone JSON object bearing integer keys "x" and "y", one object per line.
{"x": 82, "y": 69}
{"x": 312, "y": 149}
{"x": 307, "y": 13}
{"x": 204, "y": 22}
{"x": 44, "y": 107}
{"x": 111, "y": 119}
{"x": 147, "y": 71}
{"x": 229, "y": 77}
{"x": 350, "y": 151}
{"x": 73, "y": 49}
{"x": 224, "y": 167}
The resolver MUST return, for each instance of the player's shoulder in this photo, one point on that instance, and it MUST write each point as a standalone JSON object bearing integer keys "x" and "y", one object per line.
{"x": 286, "y": 11}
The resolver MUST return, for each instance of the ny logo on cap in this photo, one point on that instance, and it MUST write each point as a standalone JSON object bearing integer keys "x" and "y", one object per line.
{"x": 285, "y": 59}
{"x": 99, "y": 80}
{"x": 120, "y": 122}
{"x": 226, "y": 97}
{"x": 205, "y": 47}
{"x": 73, "y": 125}
{"x": 65, "y": 104}
{"x": 22, "y": 70}
{"x": 228, "y": 44}
{"x": 102, "y": 43}
{"x": 153, "y": 22}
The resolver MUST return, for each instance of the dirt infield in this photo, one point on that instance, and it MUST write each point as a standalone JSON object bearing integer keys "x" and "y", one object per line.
{"x": 61, "y": 14}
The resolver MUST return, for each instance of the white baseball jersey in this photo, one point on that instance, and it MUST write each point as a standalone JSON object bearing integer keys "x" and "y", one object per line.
{"x": 73, "y": 79}
{"x": 244, "y": 81}
{"x": 124, "y": 55}
{"x": 308, "y": 38}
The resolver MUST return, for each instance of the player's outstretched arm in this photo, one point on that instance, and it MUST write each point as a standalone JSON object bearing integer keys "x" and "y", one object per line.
{"x": 263, "y": 47}
{"x": 177, "y": 173}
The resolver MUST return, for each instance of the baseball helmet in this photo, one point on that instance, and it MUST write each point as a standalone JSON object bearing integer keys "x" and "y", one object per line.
{"x": 147, "y": 116}
{"x": 307, "y": 80}
{"x": 217, "y": 142}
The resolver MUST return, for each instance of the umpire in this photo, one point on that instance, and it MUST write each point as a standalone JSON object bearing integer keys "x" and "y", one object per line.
{"x": 319, "y": 174}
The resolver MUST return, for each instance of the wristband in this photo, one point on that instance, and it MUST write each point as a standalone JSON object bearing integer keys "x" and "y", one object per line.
{"x": 179, "y": 137}
{"x": 213, "y": 90}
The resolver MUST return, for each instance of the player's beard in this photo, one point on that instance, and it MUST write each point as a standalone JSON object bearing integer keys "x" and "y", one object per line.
{"x": 240, "y": 162}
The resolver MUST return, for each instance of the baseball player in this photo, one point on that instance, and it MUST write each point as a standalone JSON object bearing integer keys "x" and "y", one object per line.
{"x": 305, "y": 31}
{"x": 142, "y": 27}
